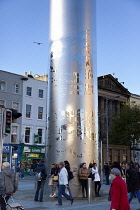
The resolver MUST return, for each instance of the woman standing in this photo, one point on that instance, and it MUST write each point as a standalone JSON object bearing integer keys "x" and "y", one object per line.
{"x": 83, "y": 176}
{"x": 118, "y": 192}
{"x": 97, "y": 179}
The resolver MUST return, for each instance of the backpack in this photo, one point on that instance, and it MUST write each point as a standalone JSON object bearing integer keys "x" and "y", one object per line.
{"x": 70, "y": 174}
{"x": 38, "y": 176}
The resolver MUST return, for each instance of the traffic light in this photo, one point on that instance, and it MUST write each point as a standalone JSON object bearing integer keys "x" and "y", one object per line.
{"x": 15, "y": 114}
{"x": 7, "y": 121}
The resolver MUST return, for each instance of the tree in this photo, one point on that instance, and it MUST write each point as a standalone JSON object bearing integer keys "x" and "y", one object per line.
{"x": 125, "y": 129}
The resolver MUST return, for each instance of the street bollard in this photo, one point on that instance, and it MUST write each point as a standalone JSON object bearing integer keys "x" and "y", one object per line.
{"x": 90, "y": 190}
{"x": 17, "y": 179}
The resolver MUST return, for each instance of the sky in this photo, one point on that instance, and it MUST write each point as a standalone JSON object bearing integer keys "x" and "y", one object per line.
{"x": 23, "y": 22}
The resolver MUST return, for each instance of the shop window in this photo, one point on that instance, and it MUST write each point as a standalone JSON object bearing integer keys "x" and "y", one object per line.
{"x": 41, "y": 93}
{"x": 40, "y": 136}
{"x": 16, "y": 88}
{"x": 28, "y": 111}
{"x": 40, "y": 112}
{"x": 27, "y": 135}
{"x": 14, "y": 134}
{"x": 29, "y": 91}
{"x": 2, "y": 85}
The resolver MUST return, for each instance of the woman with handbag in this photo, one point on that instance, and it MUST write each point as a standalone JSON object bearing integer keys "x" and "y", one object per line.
{"x": 54, "y": 176}
{"x": 83, "y": 176}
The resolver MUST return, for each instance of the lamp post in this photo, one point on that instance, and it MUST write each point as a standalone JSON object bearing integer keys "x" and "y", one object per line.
{"x": 107, "y": 127}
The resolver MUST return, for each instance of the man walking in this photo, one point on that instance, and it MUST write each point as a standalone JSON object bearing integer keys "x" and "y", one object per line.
{"x": 41, "y": 183}
{"x": 132, "y": 181}
{"x": 63, "y": 184}
{"x": 8, "y": 184}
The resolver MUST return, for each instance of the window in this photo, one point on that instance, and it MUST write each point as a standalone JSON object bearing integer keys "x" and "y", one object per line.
{"x": 28, "y": 111}
{"x": 15, "y": 106}
{"x": 124, "y": 156}
{"x": 27, "y": 135}
{"x": 16, "y": 88}
{"x": 14, "y": 134}
{"x": 41, "y": 93}
{"x": 2, "y": 85}
{"x": 29, "y": 91}
{"x": 40, "y": 112}
{"x": 40, "y": 136}
{"x": 1, "y": 102}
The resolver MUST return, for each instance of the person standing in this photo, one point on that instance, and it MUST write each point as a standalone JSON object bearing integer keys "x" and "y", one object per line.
{"x": 97, "y": 180}
{"x": 40, "y": 184}
{"x": 133, "y": 183}
{"x": 22, "y": 168}
{"x": 63, "y": 184}
{"x": 8, "y": 184}
{"x": 83, "y": 176}
{"x": 107, "y": 172}
{"x": 118, "y": 192}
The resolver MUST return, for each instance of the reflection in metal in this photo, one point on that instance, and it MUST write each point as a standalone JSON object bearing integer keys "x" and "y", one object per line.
{"x": 72, "y": 109}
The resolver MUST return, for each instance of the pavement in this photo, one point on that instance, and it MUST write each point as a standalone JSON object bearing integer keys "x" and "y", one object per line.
{"x": 26, "y": 192}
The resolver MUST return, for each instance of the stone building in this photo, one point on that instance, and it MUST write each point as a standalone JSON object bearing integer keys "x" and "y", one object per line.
{"x": 112, "y": 95}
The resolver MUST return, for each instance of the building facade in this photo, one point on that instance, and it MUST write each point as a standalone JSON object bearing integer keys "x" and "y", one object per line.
{"x": 11, "y": 92}
{"x": 112, "y": 95}
{"x": 33, "y": 125}
{"x": 26, "y": 95}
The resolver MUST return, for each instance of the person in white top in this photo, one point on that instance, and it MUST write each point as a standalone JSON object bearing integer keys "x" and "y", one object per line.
{"x": 63, "y": 184}
{"x": 97, "y": 179}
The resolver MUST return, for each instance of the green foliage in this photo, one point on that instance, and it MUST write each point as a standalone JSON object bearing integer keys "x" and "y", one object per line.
{"x": 126, "y": 128}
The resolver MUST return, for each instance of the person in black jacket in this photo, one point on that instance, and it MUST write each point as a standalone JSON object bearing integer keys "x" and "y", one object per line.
{"x": 40, "y": 184}
{"x": 54, "y": 175}
{"x": 133, "y": 183}
{"x": 107, "y": 172}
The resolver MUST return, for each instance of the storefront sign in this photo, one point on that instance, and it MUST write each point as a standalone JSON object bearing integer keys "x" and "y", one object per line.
{"x": 34, "y": 149}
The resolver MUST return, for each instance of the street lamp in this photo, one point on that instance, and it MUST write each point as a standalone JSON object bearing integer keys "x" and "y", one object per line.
{"x": 107, "y": 128}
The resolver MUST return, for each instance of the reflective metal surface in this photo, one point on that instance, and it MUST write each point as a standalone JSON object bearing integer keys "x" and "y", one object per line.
{"x": 72, "y": 89}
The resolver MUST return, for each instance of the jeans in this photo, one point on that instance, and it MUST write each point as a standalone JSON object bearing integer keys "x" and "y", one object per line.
{"x": 61, "y": 191}
{"x": 69, "y": 190}
{"x": 22, "y": 174}
{"x": 40, "y": 188}
{"x": 84, "y": 183}
{"x": 2, "y": 202}
{"x": 97, "y": 187}
{"x": 131, "y": 195}
{"x": 107, "y": 179}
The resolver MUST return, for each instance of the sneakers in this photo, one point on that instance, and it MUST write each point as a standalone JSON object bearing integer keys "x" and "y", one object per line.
{"x": 58, "y": 204}
{"x": 51, "y": 195}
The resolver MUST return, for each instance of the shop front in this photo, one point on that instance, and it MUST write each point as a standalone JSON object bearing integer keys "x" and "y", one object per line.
{"x": 6, "y": 153}
{"x": 31, "y": 154}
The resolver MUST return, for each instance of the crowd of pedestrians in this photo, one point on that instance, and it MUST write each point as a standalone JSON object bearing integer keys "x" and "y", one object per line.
{"x": 124, "y": 181}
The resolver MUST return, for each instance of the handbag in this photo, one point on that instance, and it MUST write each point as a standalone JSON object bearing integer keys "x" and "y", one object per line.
{"x": 13, "y": 206}
{"x": 50, "y": 183}
{"x": 55, "y": 178}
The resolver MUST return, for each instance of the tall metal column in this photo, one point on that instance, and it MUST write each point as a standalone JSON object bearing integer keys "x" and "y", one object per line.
{"x": 72, "y": 85}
